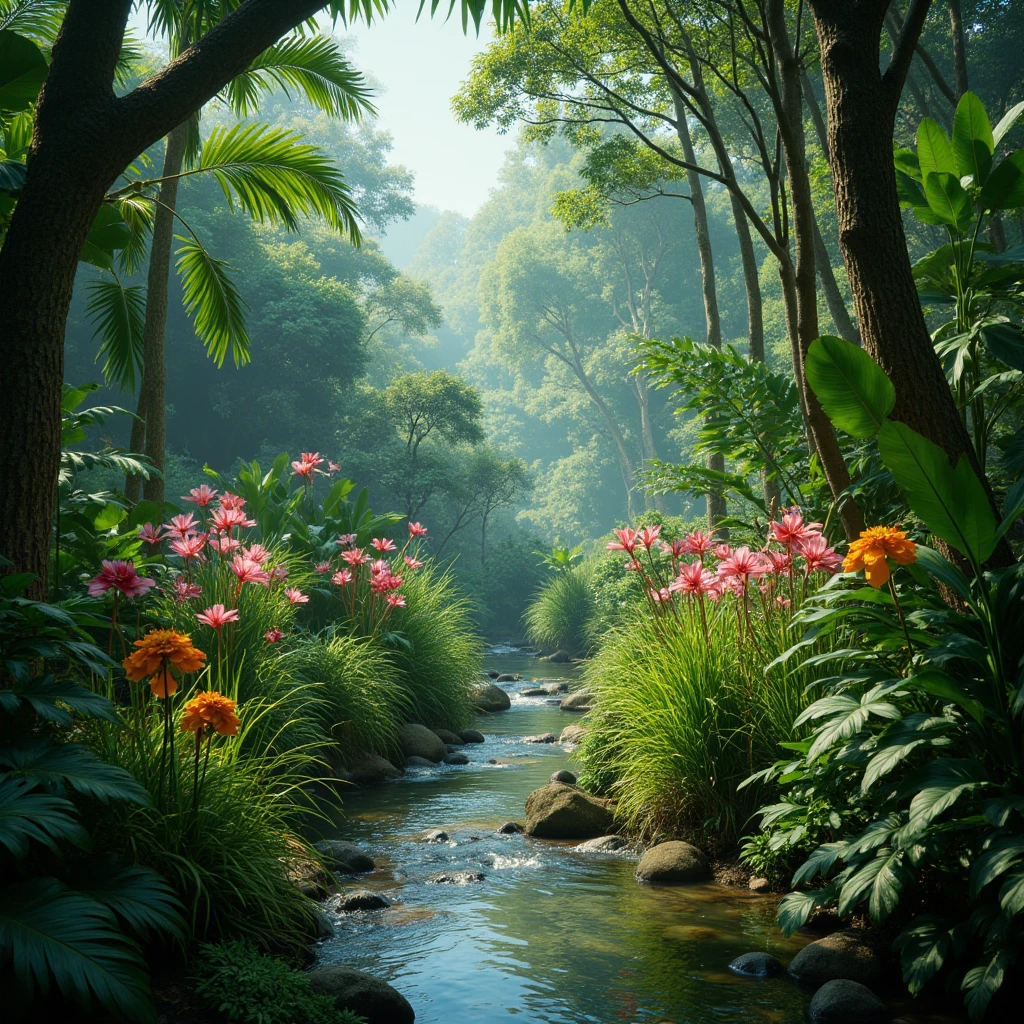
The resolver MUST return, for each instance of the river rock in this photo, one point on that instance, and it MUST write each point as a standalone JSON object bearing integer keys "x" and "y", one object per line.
{"x": 309, "y": 876}
{"x": 673, "y": 863}
{"x": 560, "y": 657}
{"x": 371, "y": 770}
{"x": 419, "y": 741}
{"x": 455, "y": 878}
{"x": 362, "y": 899}
{"x": 578, "y": 701}
{"x": 847, "y": 1002}
{"x": 456, "y": 758}
{"x": 446, "y": 736}
{"x": 510, "y": 828}
{"x": 363, "y": 994}
{"x": 534, "y": 691}
{"x": 759, "y": 885}
{"x": 488, "y": 697}
{"x": 563, "y": 775}
{"x": 557, "y": 811}
{"x": 507, "y": 677}
{"x": 344, "y": 857}
{"x": 847, "y": 955}
{"x": 556, "y": 688}
{"x": 572, "y": 734}
{"x": 418, "y": 762}
{"x": 544, "y": 737}
{"x": 438, "y": 835}
{"x": 471, "y": 736}
{"x": 756, "y": 965}
{"x": 603, "y": 844}
{"x": 491, "y": 673}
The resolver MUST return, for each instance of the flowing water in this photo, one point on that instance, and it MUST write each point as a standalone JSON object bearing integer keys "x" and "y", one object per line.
{"x": 549, "y": 934}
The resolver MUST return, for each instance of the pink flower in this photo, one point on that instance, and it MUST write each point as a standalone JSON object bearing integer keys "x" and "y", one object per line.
{"x": 342, "y": 577}
{"x": 257, "y": 552}
{"x": 279, "y": 573}
{"x": 693, "y": 578}
{"x": 312, "y": 457}
{"x": 379, "y": 566}
{"x": 413, "y": 563}
{"x": 224, "y": 544}
{"x": 181, "y": 525}
{"x": 150, "y": 534}
{"x": 184, "y": 591}
{"x": 226, "y": 519}
{"x": 741, "y": 564}
{"x": 819, "y": 556}
{"x": 395, "y": 600}
{"x": 648, "y": 535}
{"x": 296, "y": 596}
{"x": 333, "y": 467}
{"x": 273, "y": 635}
{"x": 723, "y": 551}
{"x": 121, "y": 576}
{"x": 417, "y": 530}
{"x": 322, "y": 567}
{"x": 249, "y": 571}
{"x": 633, "y": 566}
{"x": 231, "y": 501}
{"x": 354, "y": 557}
{"x": 698, "y": 543}
{"x": 303, "y": 469}
{"x": 782, "y": 602}
{"x": 383, "y": 544}
{"x": 189, "y": 546}
{"x": 626, "y": 541}
{"x": 347, "y": 539}
{"x": 791, "y": 531}
{"x": 384, "y": 582}
{"x": 676, "y": 548}
{"x": 201, "y": 495}
{"x": 217, "y": 616}
{"x": 661, "y": 596}
{"x": 778, "y": 562}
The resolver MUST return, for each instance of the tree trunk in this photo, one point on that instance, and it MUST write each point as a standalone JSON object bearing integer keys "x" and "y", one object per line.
{"x": 133, "y": 482}
{"x": 862, "y": 106}
{"x": 715, "y": 503}
{"x": 956, "y": 30}
{"x": 751, "y": 282}
{"x": 153, "y": 391}
{"x": 834, "y": 301}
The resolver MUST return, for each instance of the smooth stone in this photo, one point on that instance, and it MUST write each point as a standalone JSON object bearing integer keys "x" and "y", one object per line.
{"x": 578, "y": 701}
{"x": 757, "y": 965}
{"x": 546, "y": 737}
{"x": 419, "y": 741}
{"x": 492, "y": 673}
{"x": 471, "y": 736}
{"x": 557, "y": 811}
{"x": 455, "y": 878}
{"x": 534, "y": 691}
{"x": 438, "y": 835}
{"x": 510, "y": 828}
{"x": 560, "y": 657}
{"x": 507, "y": 677}
{"x": 572, "y": 734}
{"x": 556, "y": 688}
{"x": 842, "y": 1001}
{"x": 418, "y": 762}
{"x": 492, "y": 760}
{"x": 449, "y": 738}
{"x": 603, "y": 844}
{"x": 673, "y": 863}
{"x": 456, "y": 758}
{"x": 488, "y": 697}
{"x": 363, "y": 994}
{"x": 362, "y": 899}
{"x": 371, "y": 770}
{"x": 563, "y": 775}
{"x": 344, "y": 857}
{"x": 847, "y": 955}
{"x": 759, "y": 885}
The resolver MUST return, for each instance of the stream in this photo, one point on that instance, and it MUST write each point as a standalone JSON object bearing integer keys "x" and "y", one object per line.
{"x": 550, "y": 934}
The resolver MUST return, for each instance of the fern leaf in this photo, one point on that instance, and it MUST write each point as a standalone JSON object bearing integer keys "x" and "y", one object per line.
{"x": 118, "y": 314}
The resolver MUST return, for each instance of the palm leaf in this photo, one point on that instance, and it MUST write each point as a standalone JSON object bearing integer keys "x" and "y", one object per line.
{"x": 39, "y": 19}
{"x": 140, "y": 897}
{"x": 137, "y": 212}
{"x": 313, "y": 66}
{"x": 211, "y": 298}
{"x": 118, "y": 314}
{"x": 57, "y": 936}
{"x": 26, "y": 815}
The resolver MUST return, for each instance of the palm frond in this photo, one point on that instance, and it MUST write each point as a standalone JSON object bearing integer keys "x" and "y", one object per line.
{"x": 213, "y": 301}
{"x": 27, "y": 815}
{"x": 38, "y": 19}
{"x": 124, "y": 464}
{"x": 276, "y": 177}
{"x": 137, "y": 895}
{"x": 118, "y": 314}
{"x": 313, "y": 66}
{"x": 130, "y": 61}
{"x": 137, "y": 212}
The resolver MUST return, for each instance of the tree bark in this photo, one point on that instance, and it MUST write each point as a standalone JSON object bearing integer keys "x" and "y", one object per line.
{"x": 862, "y": 102}
{"x": 956, "y": 30}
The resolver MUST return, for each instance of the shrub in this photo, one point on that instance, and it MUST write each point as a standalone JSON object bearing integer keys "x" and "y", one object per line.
{"x": 560, "y": 615}
{"x": 247, "y": 987}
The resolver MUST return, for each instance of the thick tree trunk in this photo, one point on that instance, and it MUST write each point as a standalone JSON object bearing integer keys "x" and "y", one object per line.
{"x": 153, "y": 392}
{"x": 862, "y": 106}
{"x": 956, "y": 30}
{"x": 133, "y": 483}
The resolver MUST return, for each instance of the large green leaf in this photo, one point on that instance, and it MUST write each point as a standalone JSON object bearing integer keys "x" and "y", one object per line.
{"x": 937, "y": 787}
{"x": 1004, "y": 341}
{"x": 108, "y": 233}
{"x": 1004, "y": 189}
{"x": 22, "y": 71}
{"x": 118, "y": 314}
{"x": 981, "y": 983}
{"x": 924, "y": 947}
{"x": 972, "y": 139}
{"x": 1006, "y": 122}
{"x": 27, "y": 815}
{"x": 951, "y": 502}
{"x": 948, "y": 201}
{"x": 852, "y": 388}
{"x": 1001, "y": 855}
{"x": 137, "y": 895}
{"x": 881, "y": 879}
{"x": 934, "y": 150}
{"x": 51, "y": 698}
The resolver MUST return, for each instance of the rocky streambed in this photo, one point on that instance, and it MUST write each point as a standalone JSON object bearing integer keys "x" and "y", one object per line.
{"x": 471, "y": 918}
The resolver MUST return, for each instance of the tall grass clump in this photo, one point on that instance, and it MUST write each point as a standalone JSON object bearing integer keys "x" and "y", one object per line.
{"x": 435, "y": 648}
{"x": 560, "y": 616}
{"x": 680, "y": 719}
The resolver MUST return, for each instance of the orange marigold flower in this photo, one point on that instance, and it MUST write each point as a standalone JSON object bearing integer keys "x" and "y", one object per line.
{"x": 872, "y": 550}
{"x": 210, "y": 712}
{"x": 163, "y": 684}
{"x": 160, "y": 648}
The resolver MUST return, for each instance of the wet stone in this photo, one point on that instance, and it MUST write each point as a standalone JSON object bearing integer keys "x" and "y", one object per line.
{"x": 456, "y": 758}
{"x": 756, "y": 965}
{"x": 510, "y": 828}
{"x": 563, "y": 775}
{"x": 603, "y": 844}
{"x": 362, "y": 899}
{"x": 455, "y": 878}
{"x": 438, "y": 835}
{"x": 546, "y": 737}
{"x": 847, "y": 1002}
{"x": 471, "y": 736}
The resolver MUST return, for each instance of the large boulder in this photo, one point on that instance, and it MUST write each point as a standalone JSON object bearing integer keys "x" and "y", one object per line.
{"x": 578, "y": 701}
{"x": 457, "y": 757}
{"x": 673, "y": 863}
{"x": 488, "y": 697}
{"x": 471, "y": 736}
{"x": 419, "y": 741}
{"x": 447, "y": 736}
{"x": 847, "y": 1002}
{"x": 344, "y": 857}
{"x": 557, "y": 811}
{"x": 363, "y": 994}
{"x": 847, "y": 955}
{"x": 371, "y": 770}
{"x": 572, "y": 734}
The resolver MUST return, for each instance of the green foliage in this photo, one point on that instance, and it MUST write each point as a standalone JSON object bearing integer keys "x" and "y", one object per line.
{"x": 560, "y": 616}
{"x": 246, "y": 987}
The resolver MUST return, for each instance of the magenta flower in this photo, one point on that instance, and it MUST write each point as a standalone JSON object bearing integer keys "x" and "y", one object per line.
{"x": 121, "y": 576}
{"x": 273, "y": 635}
{"x": 181, "y": 525}
{"x": 626, "y": 541}
{"x": 296, "y": 596}
{"x": 699, "y": 543}
{"x": 723, "y": 551}
{"x": 346, "y": 540}
{"x": 189, "y": 546}
{"x": 778, "y": 562}
{"x": 249, "y": 571}
{"x": 226, "y": 519}
{"x": 819, "y": 556}
{"x": 150, "y": 534}
{"x": 693, "y": 578}
{"x": 383, "y": 544}
{"x": 417, "y": 530}
{"x": 741, "y": 564}
{"x": 413, "y": 563}
{"x": 342, "y": 577}
{"x": 257, "y": 552}
{"x": 185, "y": 591}
{"x": 303, "y": 469}
{"x": 322, "y": 567}
{"x": 232, "y": 501}
{"x": 201, "y": 495}
{"x": 660, "y": 596}
{"x": 676, "y": 549}
{"x": 354, "y": 557}
{"x": 279, "y": 573}
{"x": 791, "y": 531}
{"x": 217, "y": 616}
{"x": 224, "y": 544}
{"x": 379, "y": 566}
{"x": 395, "y": 600}
{"x": 648, "y": 535}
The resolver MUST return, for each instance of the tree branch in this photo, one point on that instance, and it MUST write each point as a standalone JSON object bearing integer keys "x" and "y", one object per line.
{"x": 905, "y": 46}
